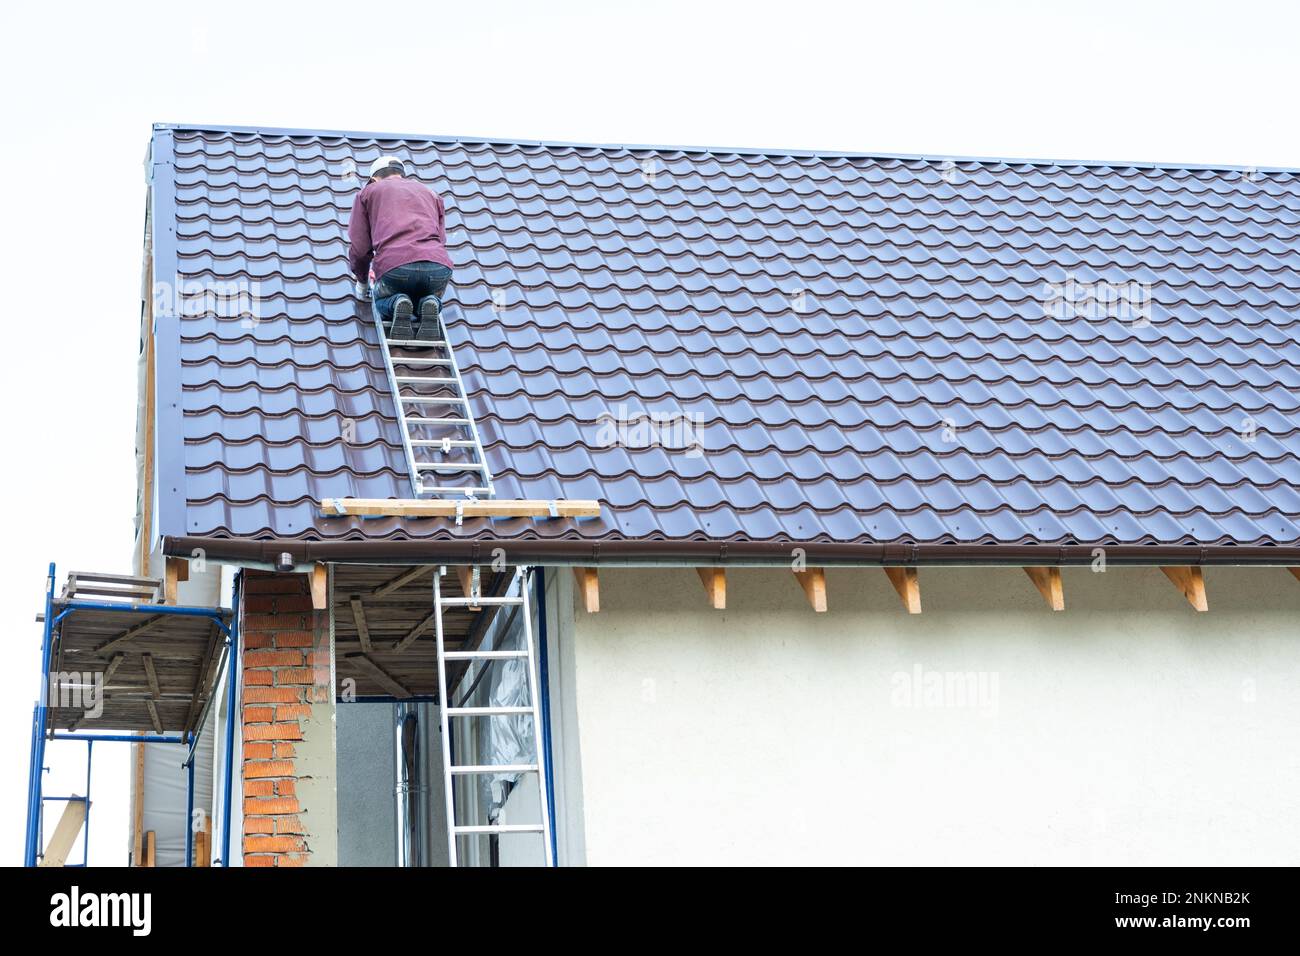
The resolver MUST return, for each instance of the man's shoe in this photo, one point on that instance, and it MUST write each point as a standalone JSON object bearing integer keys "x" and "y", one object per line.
{"x": 430, "y": 309}
{"x": 402, "y": 310}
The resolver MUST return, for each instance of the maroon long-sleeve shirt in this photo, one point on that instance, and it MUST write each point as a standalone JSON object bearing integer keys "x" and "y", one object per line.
{"x": 396, "y": 220}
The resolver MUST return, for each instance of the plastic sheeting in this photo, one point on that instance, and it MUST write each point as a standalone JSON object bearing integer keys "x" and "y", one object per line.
{"x": 509, "y": 737}
{"x": 165, "y": 800}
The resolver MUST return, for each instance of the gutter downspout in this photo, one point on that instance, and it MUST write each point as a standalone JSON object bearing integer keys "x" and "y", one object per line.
{"x": 410, "y": 785}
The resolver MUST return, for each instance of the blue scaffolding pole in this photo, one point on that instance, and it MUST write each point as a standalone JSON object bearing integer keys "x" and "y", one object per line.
{"x": 40, "y": 717}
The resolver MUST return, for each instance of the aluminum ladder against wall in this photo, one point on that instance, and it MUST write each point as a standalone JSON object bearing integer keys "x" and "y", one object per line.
{"x": 444, "y": 456}
{"x": 447, "y": 711}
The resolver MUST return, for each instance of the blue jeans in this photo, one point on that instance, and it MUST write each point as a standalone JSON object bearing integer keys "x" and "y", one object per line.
{"x": 418, "y": 280}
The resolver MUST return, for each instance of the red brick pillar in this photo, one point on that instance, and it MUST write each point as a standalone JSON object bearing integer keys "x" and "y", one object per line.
{"x": 286, "y": 670}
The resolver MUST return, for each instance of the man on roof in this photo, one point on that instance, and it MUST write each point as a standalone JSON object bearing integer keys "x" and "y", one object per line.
{"x": 398, "y": 235}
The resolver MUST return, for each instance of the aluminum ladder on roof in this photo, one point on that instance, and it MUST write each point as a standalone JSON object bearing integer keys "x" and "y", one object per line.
{"x": 516, "y": 595}
{"x": 439, "y": 435}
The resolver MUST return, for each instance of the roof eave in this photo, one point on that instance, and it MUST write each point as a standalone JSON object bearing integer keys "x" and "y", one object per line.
{"x": 542, "y": 551}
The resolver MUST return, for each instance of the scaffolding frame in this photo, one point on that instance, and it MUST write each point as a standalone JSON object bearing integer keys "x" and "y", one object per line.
{"x": 40, "y": 717}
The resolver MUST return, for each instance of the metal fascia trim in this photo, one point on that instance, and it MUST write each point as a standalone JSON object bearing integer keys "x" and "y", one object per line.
{"x": 169, "y": 427}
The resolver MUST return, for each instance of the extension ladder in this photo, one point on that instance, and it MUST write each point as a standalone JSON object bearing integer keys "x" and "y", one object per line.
{"x": 444, "y": 455}
{"x": 516, "y": 595}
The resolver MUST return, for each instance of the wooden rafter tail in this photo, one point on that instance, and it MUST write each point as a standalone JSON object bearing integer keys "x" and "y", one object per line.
{"x": 466, "y": 576}
{"x": 813, "y": 582}
{"x": 438, "y": 508}
{"x": 1295, "y": 573}
{"x": 715, "y": 586}
{"x": 1048, "y": 582}
{"x": 178, "y": 570}
{"x": 320, "y": 586}
{"x": 588, "y": 589}
{"x": 1191, "y": 581}
{"x": 908, "y": 585}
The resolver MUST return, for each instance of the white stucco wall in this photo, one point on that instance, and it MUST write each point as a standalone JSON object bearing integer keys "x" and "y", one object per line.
{"x": 1126, "y": 730}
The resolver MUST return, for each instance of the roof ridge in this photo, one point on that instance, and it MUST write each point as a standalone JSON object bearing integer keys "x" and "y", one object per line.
{"x": 738, "y": 150}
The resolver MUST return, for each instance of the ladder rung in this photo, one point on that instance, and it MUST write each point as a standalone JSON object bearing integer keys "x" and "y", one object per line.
{"x": 429, "y": 394}
{"x": 483, "y": 655}
{"x": 487, "y": 711}
{"x": 502, "y": 828}
{"x": 496, "y": 768}
{"x": 483, "y": 600}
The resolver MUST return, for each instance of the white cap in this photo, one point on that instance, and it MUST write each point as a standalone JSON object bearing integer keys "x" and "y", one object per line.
{"x": 383, "y": 162}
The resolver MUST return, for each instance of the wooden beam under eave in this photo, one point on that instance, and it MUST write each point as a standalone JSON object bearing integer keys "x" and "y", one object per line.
{"x": 1048, "y": 582}
{"x": 414, "y": 633}
{"x": 908, "y": 585}
{"x": 1191, "y": 582}
{"x": 111, "y": 669}
{"x": 152, "y": 676}
{"x": 403, "y": 579}
{"x": 380, "y": 676}
{"x": 1295, "y": 572}
{"x": 178, "y": 570}
{"x": 153, "y": 716}
{"x": 466, "y": 576}
{"x": 715, "y": 586}
{"x": 588, "y": 589}
{"x": 813, "y": 582}
{"x": 363, "y": 629}
{"x": 320, "y": 587}
{"x": 130, "y": 633}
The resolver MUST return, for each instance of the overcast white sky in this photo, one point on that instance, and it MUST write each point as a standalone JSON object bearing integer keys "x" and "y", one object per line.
{"x": 1132, "y": 80}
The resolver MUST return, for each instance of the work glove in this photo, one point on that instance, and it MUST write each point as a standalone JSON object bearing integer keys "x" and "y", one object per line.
{"x": 363, "y": 291}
